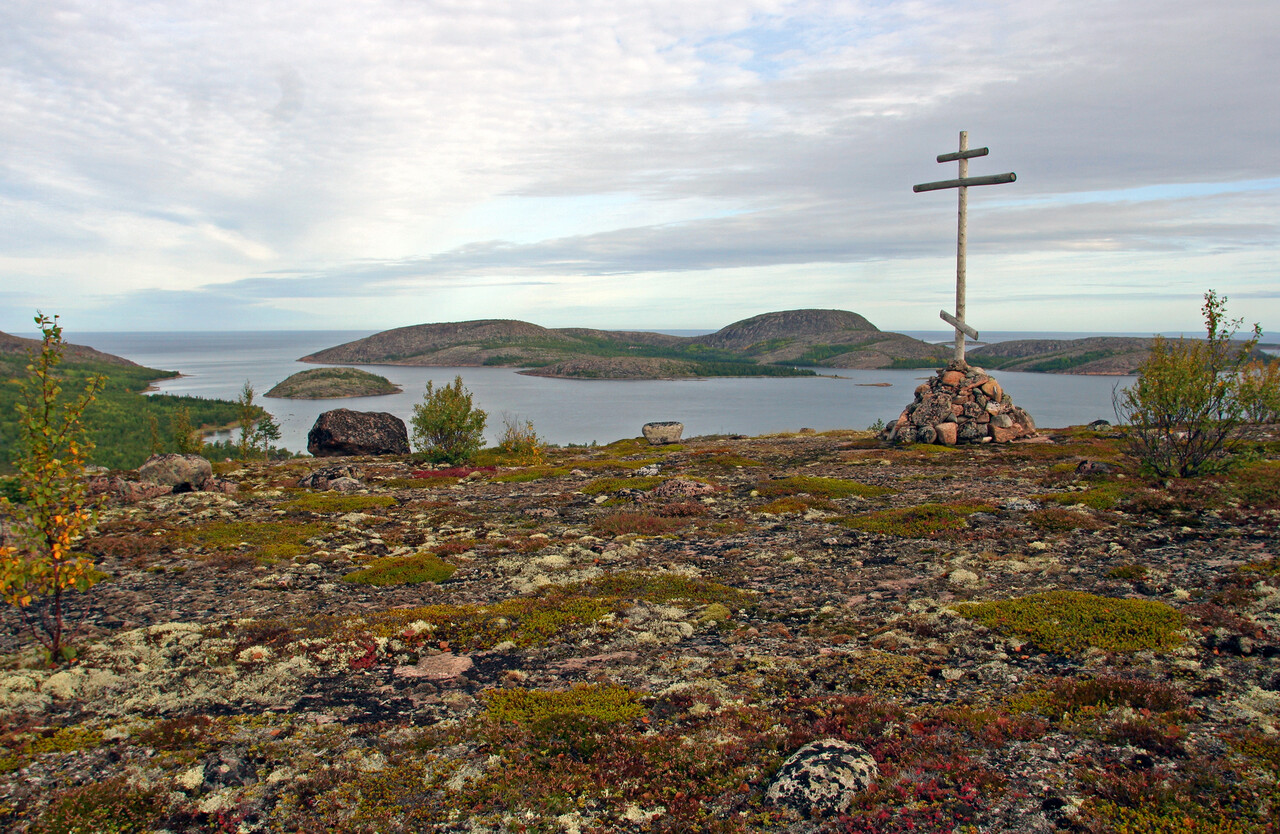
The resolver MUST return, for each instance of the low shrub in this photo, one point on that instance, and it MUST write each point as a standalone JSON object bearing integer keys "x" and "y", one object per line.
{"x": 606, "y": 702}
{"x": 108, "y": 807}
{"x": 324, "y": 502}
{"x": 402, "y": 570}
{"x": 1058, "y": 520}
{"x": 1067, "y": 622}
{"x": 640, "y": 522}
{"x": 664, "y": 587}
{"x": 919, "y": 522}
{"x": 603, "y": 485}
{"x": 820, "y": 487}
{"x": 264, "y": 540}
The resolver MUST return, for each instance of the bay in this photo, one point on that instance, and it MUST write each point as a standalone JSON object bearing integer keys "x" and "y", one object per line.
{"x": 217, "y": 364}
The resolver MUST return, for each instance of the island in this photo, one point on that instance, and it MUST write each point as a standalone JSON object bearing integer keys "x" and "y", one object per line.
{"x": 332, "y": 384}
{"x": 788, "y": 343}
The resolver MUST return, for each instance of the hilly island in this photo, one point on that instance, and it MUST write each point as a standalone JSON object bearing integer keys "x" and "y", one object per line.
{"x": 787, "y": 343}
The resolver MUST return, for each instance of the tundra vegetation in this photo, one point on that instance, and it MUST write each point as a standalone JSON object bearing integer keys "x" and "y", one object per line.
{"x": 1022, "y": 643}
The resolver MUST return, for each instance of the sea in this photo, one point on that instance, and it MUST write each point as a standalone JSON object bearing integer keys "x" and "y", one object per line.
{"x": 563, "y": 412}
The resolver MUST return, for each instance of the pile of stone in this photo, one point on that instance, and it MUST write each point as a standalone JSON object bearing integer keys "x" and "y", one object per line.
{"x": 962, "y": 404}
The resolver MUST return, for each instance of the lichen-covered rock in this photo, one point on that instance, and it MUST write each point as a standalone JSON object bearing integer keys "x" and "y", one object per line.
{"x": 180, "y": 473}
{"x": 344, "y": 432}
{"x": 661, "y": 434}
{"x": 823, "y": 777}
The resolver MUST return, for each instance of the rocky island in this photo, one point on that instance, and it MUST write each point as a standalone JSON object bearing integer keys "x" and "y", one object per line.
{"x": 786, "y": 343}
{"x": 802, "y": 632}
{"x": 332, "y": 384}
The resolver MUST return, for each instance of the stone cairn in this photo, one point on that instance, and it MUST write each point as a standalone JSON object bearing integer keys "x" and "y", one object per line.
{"x": 960, "y": 405}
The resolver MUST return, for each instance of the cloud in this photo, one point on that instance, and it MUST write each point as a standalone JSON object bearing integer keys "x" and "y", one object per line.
{"x": 187, "y": 151}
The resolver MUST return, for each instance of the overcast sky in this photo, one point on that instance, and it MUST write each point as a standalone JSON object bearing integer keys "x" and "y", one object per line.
{"x": 218, "y": 164}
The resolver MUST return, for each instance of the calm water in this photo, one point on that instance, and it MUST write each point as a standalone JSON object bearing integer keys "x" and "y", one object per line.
{"x": 578, "y": 411}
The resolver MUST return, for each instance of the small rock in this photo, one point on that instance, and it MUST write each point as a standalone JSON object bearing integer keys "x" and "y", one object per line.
{"x": 439, "y": 667}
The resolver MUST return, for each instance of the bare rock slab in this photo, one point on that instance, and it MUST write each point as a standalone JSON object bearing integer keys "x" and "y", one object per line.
{"x": 344, "y": 432}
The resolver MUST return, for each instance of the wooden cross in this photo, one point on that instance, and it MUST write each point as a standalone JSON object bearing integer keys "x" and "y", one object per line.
{"x": 962, "y": 184}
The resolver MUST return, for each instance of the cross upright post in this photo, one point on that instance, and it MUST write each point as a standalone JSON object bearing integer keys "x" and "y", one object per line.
{"x": 962, "y": 235}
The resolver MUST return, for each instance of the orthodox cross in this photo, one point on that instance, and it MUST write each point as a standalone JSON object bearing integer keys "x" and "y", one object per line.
{"x": 962, "y": 184}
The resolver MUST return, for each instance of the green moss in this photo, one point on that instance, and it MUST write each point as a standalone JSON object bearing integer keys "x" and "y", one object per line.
{"x": 714, "y": 613}
{"x": 1132, "y": 573}
{"x": 1103, "y": 496}
{"x": 604, "y": 702}
{"x": 266, "y": 540}
{"x": 1065, "y": 622}
{"x": 919, "y": 522}
{"x": 323, "y": 502}
{"x": 603, "y": 485}
{"x": 525, "y": 621}
{"x": 417, "y": 483}
{"x": 794, "y": 504}
{"x": 822, "y": 487}
{"x": 402, "y": 570}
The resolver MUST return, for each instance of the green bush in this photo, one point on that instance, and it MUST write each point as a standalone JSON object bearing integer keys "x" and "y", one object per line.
{"x": 1183, "y": 411}
{"x": 447, "y": 428}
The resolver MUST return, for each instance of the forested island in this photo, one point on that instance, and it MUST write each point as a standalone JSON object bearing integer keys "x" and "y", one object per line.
{"x": 332, "y": 383}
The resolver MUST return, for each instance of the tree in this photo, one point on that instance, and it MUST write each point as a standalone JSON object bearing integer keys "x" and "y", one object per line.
{"x": 39, "y": 572}
{"x": 446, "y": 427}
{"x": 186, "y": 439}
{"x": 1183, "y": 412}
{"x": 248, "y": 417}
{"x": 258, "y": 429}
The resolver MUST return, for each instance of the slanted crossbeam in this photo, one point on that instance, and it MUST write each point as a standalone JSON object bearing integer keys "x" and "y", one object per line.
{"x": 962, "y": 185}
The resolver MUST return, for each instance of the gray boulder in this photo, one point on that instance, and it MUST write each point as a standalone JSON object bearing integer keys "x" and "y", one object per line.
{"x": 178, "y": 473}
{"x": 660, "y": 434}
{"x": 823, "y": 777}
{"x": 344, "y": 432}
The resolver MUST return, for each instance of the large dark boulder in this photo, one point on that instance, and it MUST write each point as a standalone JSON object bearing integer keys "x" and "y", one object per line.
{"x": 345, "y": 432}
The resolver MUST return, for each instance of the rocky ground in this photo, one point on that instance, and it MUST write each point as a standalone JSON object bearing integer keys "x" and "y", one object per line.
{"x": 815, "y": 632}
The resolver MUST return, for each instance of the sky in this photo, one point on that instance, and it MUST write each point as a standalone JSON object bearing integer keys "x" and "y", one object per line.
{"x": 180, "y": 165}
